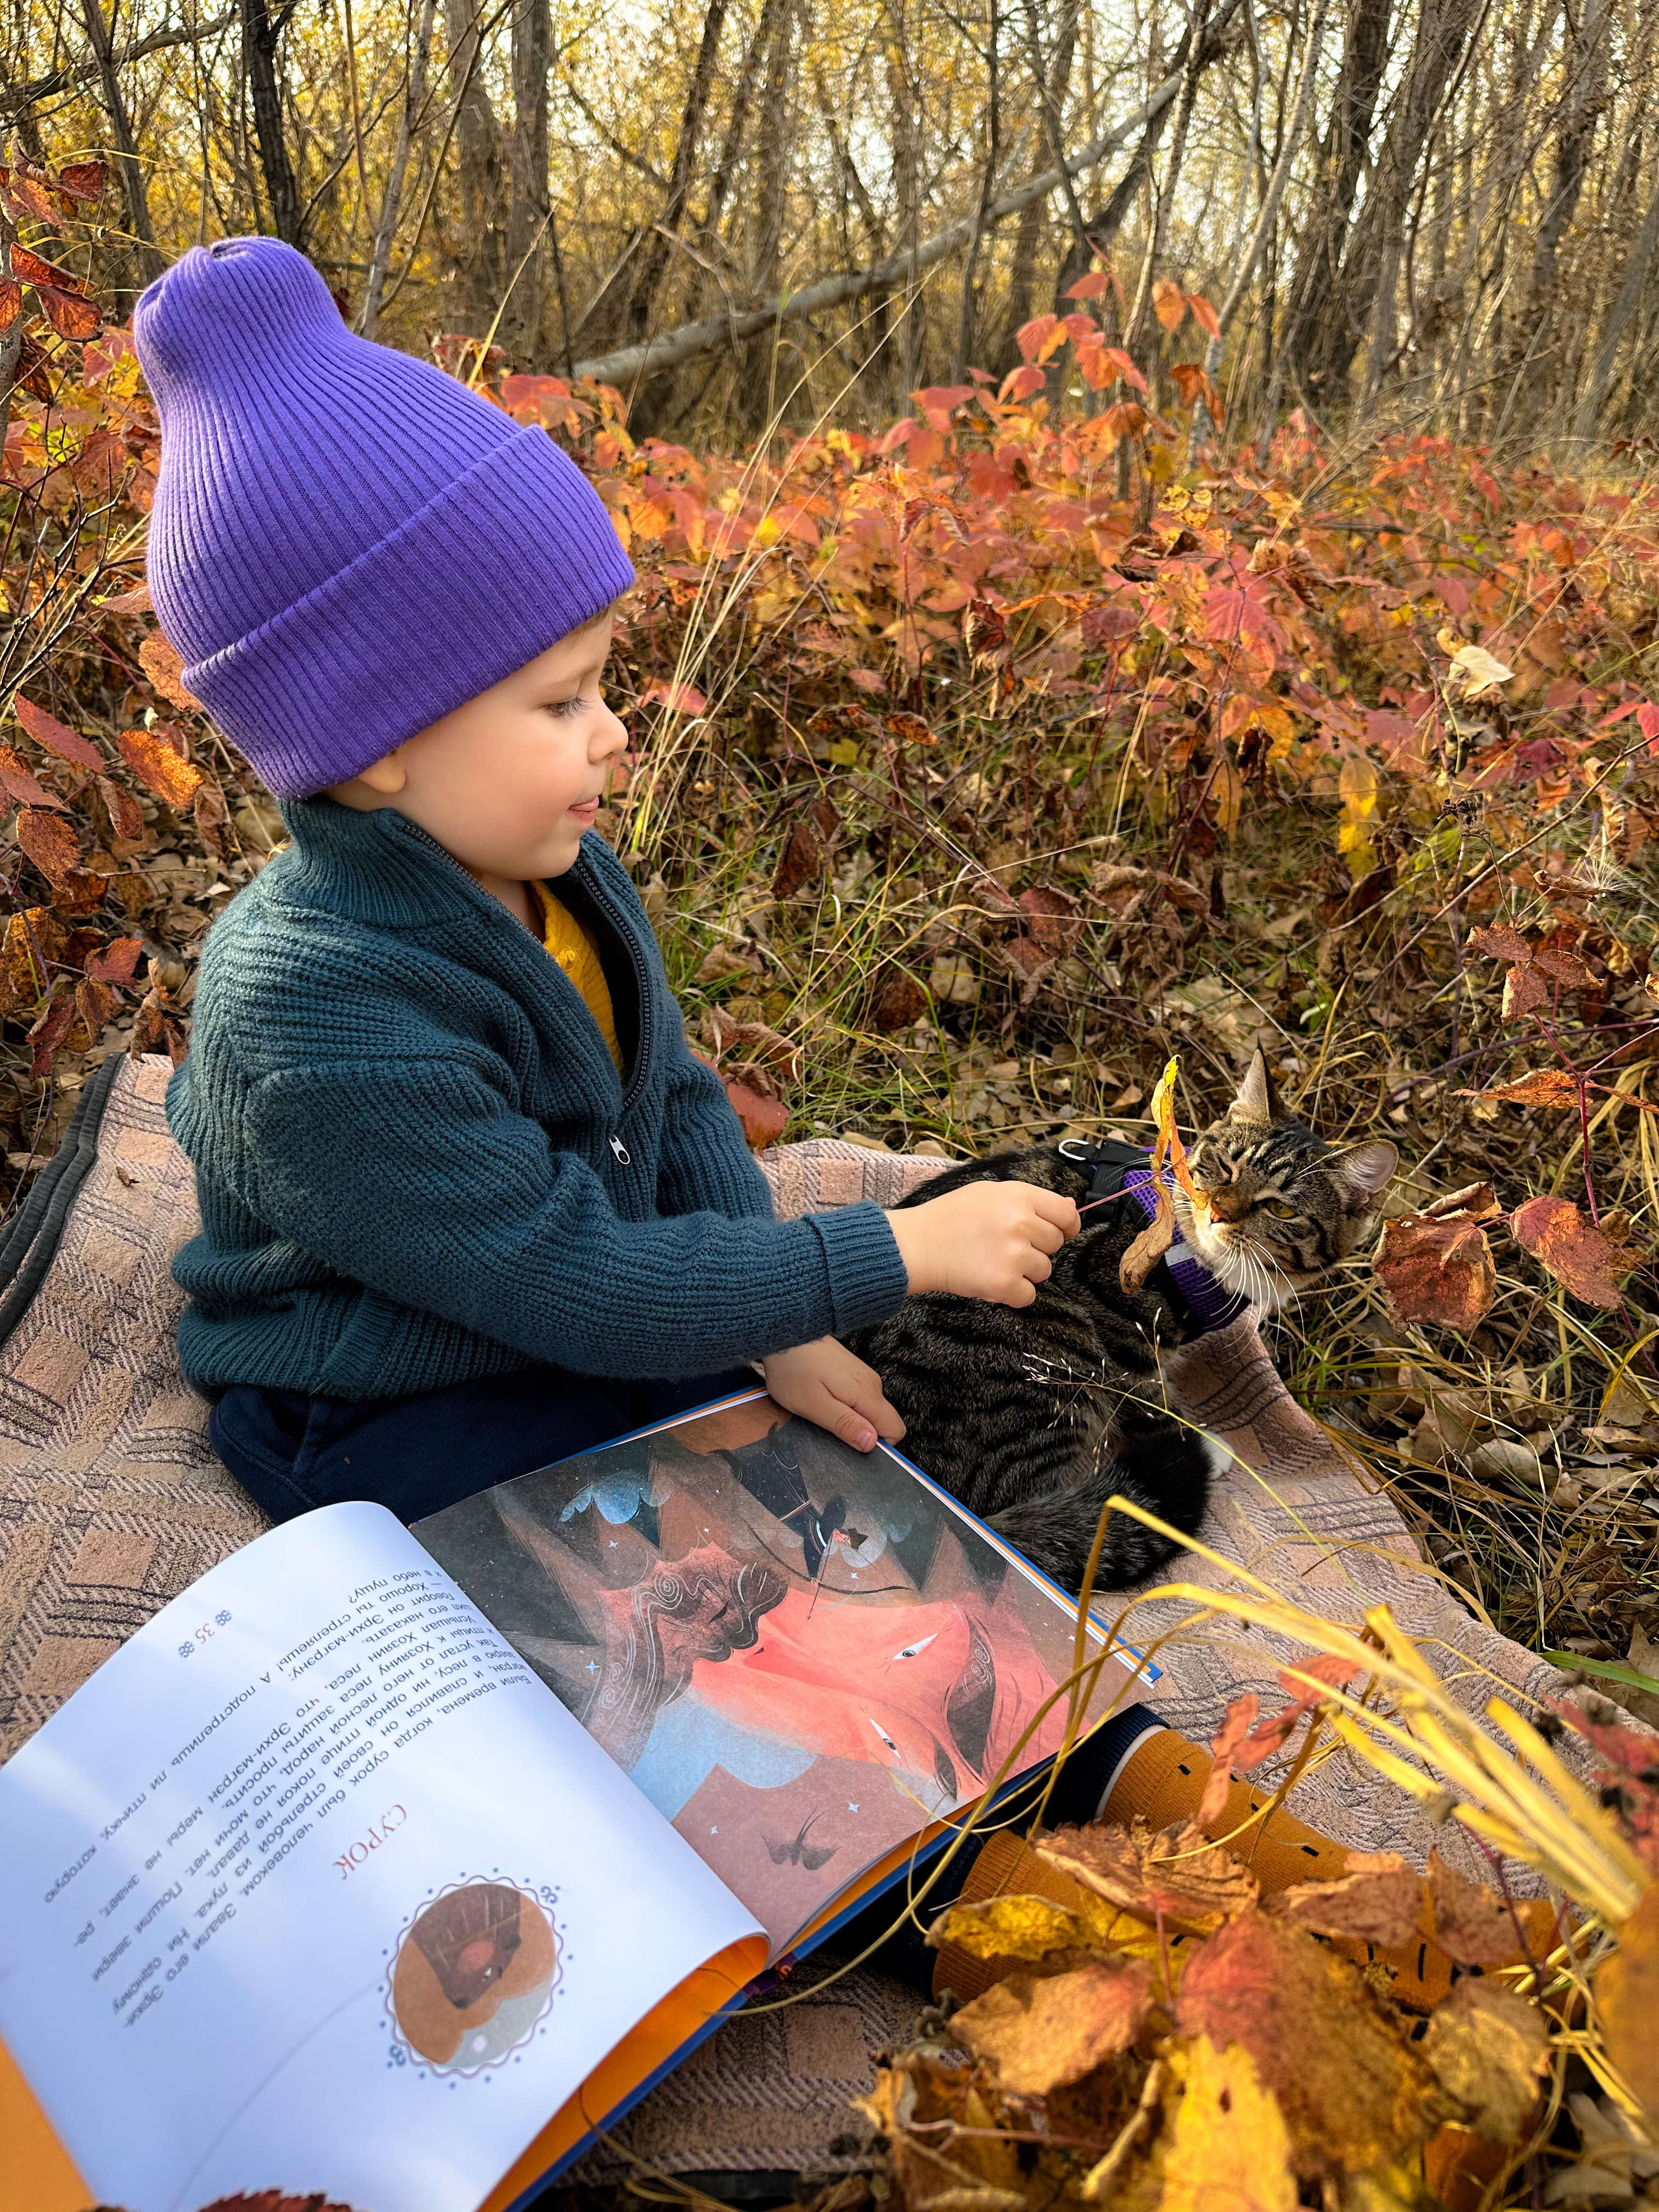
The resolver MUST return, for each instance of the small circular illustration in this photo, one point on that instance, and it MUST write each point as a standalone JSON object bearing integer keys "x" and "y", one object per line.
{"x": 471, "y": 1975}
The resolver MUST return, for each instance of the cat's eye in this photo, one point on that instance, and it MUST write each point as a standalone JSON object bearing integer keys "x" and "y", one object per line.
{"x": 1279, "y": 1211}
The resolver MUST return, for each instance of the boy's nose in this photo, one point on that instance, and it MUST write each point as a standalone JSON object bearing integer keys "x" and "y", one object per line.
{"x": 609, "y": 737}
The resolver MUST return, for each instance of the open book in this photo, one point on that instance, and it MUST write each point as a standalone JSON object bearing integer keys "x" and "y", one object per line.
{"x": 392, "y": 1864}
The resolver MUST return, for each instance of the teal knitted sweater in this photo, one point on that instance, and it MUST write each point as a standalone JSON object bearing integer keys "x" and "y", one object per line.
{"x": 416, "y": 1163}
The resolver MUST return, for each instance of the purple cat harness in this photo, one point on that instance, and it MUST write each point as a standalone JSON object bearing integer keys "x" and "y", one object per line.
{"x": 1120, "y": 1168}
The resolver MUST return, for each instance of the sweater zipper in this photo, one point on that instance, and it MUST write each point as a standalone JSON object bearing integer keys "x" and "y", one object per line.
{"x": 619, "y": 1150}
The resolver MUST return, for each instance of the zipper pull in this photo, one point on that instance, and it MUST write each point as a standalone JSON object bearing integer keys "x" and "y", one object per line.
{"x": 624, "y": 1157}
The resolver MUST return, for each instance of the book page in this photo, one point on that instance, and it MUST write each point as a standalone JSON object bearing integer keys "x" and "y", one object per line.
{"x": 806, "y": 1656}
{"x": 314, "y": 1886}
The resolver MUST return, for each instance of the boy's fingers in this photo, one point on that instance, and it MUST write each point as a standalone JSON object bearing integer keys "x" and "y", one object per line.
{"x": 869, "y": 1400}
{"x": 848, "y": 1424}
{"x": 1055, "y": 1207}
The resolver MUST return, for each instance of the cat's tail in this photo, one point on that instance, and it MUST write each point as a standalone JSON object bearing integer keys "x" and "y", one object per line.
{"x": 1166, "y": 1468}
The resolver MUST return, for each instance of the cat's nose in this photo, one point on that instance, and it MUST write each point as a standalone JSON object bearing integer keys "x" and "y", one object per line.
{"x": 1229, "y": 1204}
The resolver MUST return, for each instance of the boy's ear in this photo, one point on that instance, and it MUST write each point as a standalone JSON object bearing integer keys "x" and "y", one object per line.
{"x": 385, "y": 776}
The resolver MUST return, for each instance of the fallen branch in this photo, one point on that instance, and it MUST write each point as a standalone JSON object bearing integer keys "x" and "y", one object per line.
{"x": 892, "y": 275}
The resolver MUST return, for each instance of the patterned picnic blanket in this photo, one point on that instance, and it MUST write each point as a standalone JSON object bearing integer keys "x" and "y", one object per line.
{"x": 111, "y": 1502}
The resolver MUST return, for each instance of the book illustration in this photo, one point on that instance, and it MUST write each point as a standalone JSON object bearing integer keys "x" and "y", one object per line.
{"x": 801, "y": 1654}
{"x": 472, "y": 1974}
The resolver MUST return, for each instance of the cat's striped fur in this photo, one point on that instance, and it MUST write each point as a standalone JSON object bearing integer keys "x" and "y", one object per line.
{"x": 1035, "y": 1416}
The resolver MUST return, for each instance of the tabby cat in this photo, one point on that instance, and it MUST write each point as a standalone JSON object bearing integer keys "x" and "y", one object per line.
{"x": 1033, "y": 1416}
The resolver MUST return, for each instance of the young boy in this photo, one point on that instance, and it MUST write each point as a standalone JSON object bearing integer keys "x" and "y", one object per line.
{"x": 469, "y": 1203}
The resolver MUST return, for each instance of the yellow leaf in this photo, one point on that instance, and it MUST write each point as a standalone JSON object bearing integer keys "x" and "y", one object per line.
{"x": 1012, "y": 1928}
{"x": 1488, "y": 2046}
{"x": 1229, "y": 789}
{"x": 1230, "y": 2151}
{"x": 1627, "y": 1998}
{"x": 1357, "y": 786}
{"x": 1169, "y": 303}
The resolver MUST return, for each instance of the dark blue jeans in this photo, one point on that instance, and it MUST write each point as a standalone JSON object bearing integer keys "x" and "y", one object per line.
{"x": 291, "y": 1451}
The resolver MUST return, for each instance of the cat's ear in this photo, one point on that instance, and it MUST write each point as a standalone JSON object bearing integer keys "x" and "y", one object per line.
{"x": 1361, "y": 1172}
{"x": 1258, "y": 1094}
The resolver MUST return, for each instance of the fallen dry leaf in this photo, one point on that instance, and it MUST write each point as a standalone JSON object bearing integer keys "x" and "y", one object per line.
{"x": 1354, "y": 2094}
{"x": 1488, "y": 2047}
{"x": 1574, "y": 1250}
{"x": 1480, "y": 671}
{"x": 156, "y": 763}
{"x": 1378, "y": 1900}
{"x": 1028, "y": 1928}
{"x": 1149, "y": 1246}
{"x": 1471, "y": 1924}
{"x": 166, "y": 670}
{"x": 1540, "y": 1087}
{"x": 1436, "y": 1271}
{"x": 1627, "y": 1998}
{"x": 1042, "y": 2034}
{"x": 19, "y": 783}
{"x": 764, "y": 1120}
{"x": 802, "y": 862}
{"x": 1179, "y": 1876}
{"x": 1229, "y": 2149}
{"x": 50, "y": 843}
{"x": 1501, "y": 942}
{"x": 1226, "y": 1744}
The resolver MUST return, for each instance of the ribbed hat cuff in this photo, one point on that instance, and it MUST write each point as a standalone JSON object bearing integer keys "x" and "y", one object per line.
{"x": 504, "y": 562}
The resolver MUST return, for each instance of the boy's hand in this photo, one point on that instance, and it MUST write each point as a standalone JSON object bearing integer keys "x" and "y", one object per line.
{"x": 987, "y": 1240}
{"x": 824, "y": 1382}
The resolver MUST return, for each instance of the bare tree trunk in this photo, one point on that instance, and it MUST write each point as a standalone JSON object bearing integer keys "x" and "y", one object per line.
{"x": 966, "y": 314}
{"x": 259, "y": 37}
{"x": 147, "y": 261}
{"x": 1618, "y": 322}
{"x": 652, "y": 261}
{"x": 416, "y": 82}
{"x": 1587, "y": 69}
{"x": 478, "y": 254}
{"x": 529, "y": 213}
{"x": 1343, "y": 158}
{"x": 1140, "y": 310}
{"x": 757, "y": 378}
{"x": 1053, "y": 89}
{"x": 903, "y": 99}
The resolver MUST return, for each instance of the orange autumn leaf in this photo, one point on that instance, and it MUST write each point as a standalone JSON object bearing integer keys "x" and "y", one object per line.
{"x": 156, "y": 764}
{"x": 1180, "y": 1877}
{"x": 1436, "y": 1271}
{"x": 1378, "y": 1900}
{"x": 764, "y": 1120}
{"x": 166, "y": 670}
{"x": 1575, "y": 1251}
{"x": 1226, "y": 1743}
{"x": 1043, "y": 2034}
{"x": 1043, "y": 336}
{"x": 1541, "y": 1086}
{"x": 1169, "y": 303}
{"x": 50, "y": 842}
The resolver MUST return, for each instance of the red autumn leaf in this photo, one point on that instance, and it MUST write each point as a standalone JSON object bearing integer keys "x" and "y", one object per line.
{"x": 1524, "y": 992}
{"x": 50, "y": 842}
{"x": 118, "y": 960}
{"x": 1204, "y": 314}
{"x": 96, "y": 1004}
{"x": 984, "y": 632}
{"x": 1053, "y": 916}
{"x": 25, "y": 199}
{"x": 1501, "y": 942}
{"x": 125, "y": 818}
{"x": 11, "y": 302}
{"x": 17, "y": 782}
{"x": 1227, "y": 1741}
{"x": 764, "y": 1120}
{"x": 678, "y": 698}
{"x": 1271, "y": 1735}
{"x": 1436, "y": 1271}
{"x": 166, "y": 670}
{"x": 1540, "y": 1087}
{"x": 46, "y": 730}
{"x": 1104, "y": 364}
{"x": 1127, "y": 419}
{"x": 83, "y": 180}
{"x": 802, "y": 862}
{"x": 48, "y": 1034}
{"x": 72, "y": 317}
{"x": 1190, "y": 380}
{"x": 32, "y": 269}
{"x": 1108, "y": 625}
{"x": 1573, "y": 1249}
{"x": 155, "y": 763}
{"x": 1021, "y": 383}
{"x": 1091, "y": 287}
{"x": 1043, "y": 336}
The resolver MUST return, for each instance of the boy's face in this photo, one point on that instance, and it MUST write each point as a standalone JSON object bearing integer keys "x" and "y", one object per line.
{"x": 508, "y": 782}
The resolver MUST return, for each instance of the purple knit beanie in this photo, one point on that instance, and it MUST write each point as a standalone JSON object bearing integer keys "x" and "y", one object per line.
{"x": 346, "y": 543}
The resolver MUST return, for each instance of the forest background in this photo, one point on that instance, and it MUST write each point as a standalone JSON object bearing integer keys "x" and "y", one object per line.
{"x": 1147, "y": 548}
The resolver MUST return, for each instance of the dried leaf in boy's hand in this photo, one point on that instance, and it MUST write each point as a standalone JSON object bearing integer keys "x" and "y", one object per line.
{"x": 1149, "y": 1248}
{"x": 1488, "y": 2047}
{"x": 1043, "y": 2034}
